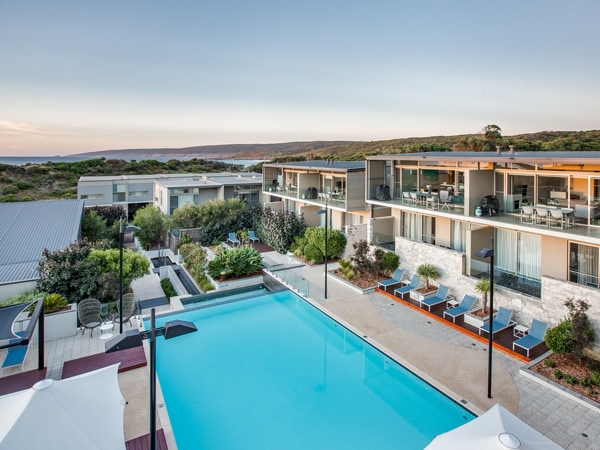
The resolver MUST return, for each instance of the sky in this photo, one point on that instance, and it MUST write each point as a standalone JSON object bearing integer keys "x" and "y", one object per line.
{"x": 78, "y": 76}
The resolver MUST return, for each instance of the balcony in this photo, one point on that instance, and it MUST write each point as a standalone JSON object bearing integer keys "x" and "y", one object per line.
{"x": 310, "y": 194}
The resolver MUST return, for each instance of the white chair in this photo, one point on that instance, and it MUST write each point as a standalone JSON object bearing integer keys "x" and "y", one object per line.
{"x": 432, "y": 202}
{"x": 541, "y": 215}
{"x": 406, "y": 198}
{"x": 527, "y": 214}
{"x": 413, "y": 198}
{"x": 556, "y": 218}
{"x": 445, "y": 199}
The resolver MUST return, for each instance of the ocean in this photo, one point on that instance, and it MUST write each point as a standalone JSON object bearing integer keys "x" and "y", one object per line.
{"x": 22, "y": 160}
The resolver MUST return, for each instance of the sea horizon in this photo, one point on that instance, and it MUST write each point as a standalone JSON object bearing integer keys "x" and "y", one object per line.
{"x": 22, "y": 160}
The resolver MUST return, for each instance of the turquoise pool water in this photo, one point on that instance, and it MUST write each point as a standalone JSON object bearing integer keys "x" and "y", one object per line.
{"x": 273, "y": 372}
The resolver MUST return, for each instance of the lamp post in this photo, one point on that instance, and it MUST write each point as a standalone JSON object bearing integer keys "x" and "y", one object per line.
{"x": 122, "y": 231}
{"x": 324, "y": 211}
{"x": 489, "y": 253}
{"x": 133, "y": 338}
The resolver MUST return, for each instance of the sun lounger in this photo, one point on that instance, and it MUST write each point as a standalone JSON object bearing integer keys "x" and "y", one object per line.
{"x": 501, "y": 322}
{"x": 233, "y": 239}
{"x": 253, "y": 236}
{"x": 466, "y": 304}
{"x": 414, "y": 284}
{"x": 15, "y": 356}
{"x": 536, "y": 336}
{"x": 439, "y": 297}
{"x": 396, "y": 279}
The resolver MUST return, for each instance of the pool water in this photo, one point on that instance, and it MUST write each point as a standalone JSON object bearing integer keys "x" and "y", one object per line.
{"x": 274, "y": 372}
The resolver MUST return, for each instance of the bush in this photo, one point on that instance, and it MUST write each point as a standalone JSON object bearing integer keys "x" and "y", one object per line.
{"x": 236, "y": 262}
{"x": 571, "y": 380}
{"x": 558, "y": 374}
{"x": 347, "y": 269}
{"x": 54, "y": 303}
{"x": 390, "y": 261}
{"x": 313, "y": 253}
{"x": 595, "y": 378}
{"x": 557, "y": 338}
{"x": 168, "y": 288}
{"x": 279, "y": 228}
{"x": 549, "y": 363}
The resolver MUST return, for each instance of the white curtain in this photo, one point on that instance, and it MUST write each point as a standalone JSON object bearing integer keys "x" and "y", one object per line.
{"x": 459, "y": 236}
{"x": 428, "y": 224}
{"x": 413, "y": 228}
{"x": 530, "y": 255}
{"x": 505, "y": 252}
{"x": 587, "y": 261}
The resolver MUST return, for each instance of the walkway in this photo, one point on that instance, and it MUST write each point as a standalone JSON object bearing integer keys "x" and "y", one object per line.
{"x": 453, "y": 361}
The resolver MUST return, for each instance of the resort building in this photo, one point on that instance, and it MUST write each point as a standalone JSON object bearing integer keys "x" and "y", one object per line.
{"x": 307, "y": 187}
{"x": 542, "y": 210}
{"x": 167, "y": 191}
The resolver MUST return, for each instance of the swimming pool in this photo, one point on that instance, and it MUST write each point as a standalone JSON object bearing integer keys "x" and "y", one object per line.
{"x": 273, "y": 372}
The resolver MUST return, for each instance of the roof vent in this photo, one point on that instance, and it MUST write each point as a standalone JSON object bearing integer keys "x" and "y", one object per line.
{"x": 511, "y": 149}
{"x": 498, "y": 149}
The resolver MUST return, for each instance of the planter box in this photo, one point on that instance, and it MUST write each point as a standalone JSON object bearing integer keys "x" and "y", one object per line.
{"x": 350, "y": 285}
{"x": 418, "y": 296}
{"x": 234, "y": 284}
{"x": 56, "y": 325}
{"x": 476, "y": 321}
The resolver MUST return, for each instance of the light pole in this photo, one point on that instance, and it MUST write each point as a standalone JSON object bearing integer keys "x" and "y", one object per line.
{"x": 121, "y": 234}
{"x": 489, "y": 253}
{"x": 324, "y": 211}
{"x": 133, "y": 338}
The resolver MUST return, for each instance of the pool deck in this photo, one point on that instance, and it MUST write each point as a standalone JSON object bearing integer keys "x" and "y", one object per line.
{"x": 452, "y": 361}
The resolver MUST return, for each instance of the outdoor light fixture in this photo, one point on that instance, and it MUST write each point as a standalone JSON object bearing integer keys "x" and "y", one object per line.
{"x": 122, "y": 231}
{"x": 489, "y": 253}
{"x": 133, "y": 338}
{"x": 324, "y": 211}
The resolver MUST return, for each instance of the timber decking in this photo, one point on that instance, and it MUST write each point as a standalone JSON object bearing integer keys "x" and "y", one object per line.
{"x": 130, "y": 358}
{"x": 21, "y": 381}
{"x": 143, "y": 442}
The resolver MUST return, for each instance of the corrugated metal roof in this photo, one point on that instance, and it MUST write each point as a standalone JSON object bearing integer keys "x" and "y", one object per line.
{"x": 574, "y": 157}
{"x": 27, "y": 228}
{"x": 341, "y": 166}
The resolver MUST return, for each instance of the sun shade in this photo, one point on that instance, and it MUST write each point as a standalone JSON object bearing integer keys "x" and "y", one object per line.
{"x": 8, "y": 315}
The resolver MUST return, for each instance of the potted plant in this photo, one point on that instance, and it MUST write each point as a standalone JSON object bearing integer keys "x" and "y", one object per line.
{"x": 480, "y": 316}
{"x": 427, "y": 272}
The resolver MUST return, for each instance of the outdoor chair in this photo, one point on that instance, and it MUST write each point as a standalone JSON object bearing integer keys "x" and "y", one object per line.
{"x": 466, "y": 304}
{"x": 445, "y": 199}
{"x": 414, "y": 284}
{"x": 502, "y": 321}
{"x": 129, "y": 309}
{"x": 233, "y": 239}
{"x": 536, "y": 336}
{"x": 439, "y": 297}
{"x": 406, "y": 198}
{"x": 16, "y": 355}
{"x": 527, "y": 214}
{"x": 252, "y": 236}
{"x": 89, "y": 312}
{"x": 396, "y": 279}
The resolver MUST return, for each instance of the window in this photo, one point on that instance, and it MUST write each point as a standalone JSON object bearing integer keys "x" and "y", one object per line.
{"x": 459, "y": 236}
{"x": 583, "y": 264}
{"x": 138, "y": 193}
{"x": 91, "y": 196}
{"x": 417, "y": 227}
{"x": 518, "y": 258}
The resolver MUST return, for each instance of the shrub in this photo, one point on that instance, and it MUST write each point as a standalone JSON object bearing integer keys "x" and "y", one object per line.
{"x": 557, "y": 338}
{"x": 54, "y": 302}
{"x": 581, "y": 333}
{"x": 549, "y": 363}
{"x": 558, "y": 374}
{"x": 571, "y": 380}
{"x": 595, "y": 378}
{"x": 336, "y": 240}
{"x": 279, "y": 228}
{"x": 347, "y": 269}
{"x": 236, "y": 262}
{"x": 361, "y": 260}
{"x": 586, "y": 381}
{"x": 313, "y": 253}
{"x": 168, "y": 288}
{"x": 390, "y": 261}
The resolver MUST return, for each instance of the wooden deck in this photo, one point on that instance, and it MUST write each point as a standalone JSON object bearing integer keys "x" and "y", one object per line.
{"x": 21, "y": 381}
{"x": 130, "y": 358}
{"x": 143, "y": 442}
{"x": 502, "y": 340}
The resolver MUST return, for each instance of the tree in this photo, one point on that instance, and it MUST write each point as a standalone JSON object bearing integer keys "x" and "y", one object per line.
{"x": 93, "y": 227}
{"x": 483, "y": 286}
{"x": 152, "y": 224}
{"x": 429, "y": 272}
{"x": 581, "y": 333}
{"x": 68, "y": 272}
{"x": 336, "y": 240}
{"x": 279, "y": 228}
{"x": 135, "y": 265}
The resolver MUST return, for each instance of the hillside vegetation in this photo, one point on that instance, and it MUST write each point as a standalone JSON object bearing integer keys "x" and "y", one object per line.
{"x": 59, "y": 180}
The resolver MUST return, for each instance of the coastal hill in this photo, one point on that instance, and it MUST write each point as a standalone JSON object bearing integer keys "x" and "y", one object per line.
{"x": 353, "y": 150}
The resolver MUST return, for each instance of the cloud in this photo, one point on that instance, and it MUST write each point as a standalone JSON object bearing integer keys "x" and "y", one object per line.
{"x": 12, "y": 128}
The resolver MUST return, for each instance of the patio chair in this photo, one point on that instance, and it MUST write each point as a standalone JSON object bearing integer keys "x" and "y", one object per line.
{"x": 536, "y": 336}
{"x": 396, "y": 279}
{"x": 414, "y": 284}
{"x": 129, "y": 309}
{"x": 233, "y": 239}
{"x": 16, "y": 355}
{"x": 465, "y": 305}
{"x": 527, "y": 214}
{"x": 445, "y": 199}
{"x": 502, "y": 321}
{"x": 89, "y": 312}
{"x": 252, "y": 236}
{"x": 439, "y": 297}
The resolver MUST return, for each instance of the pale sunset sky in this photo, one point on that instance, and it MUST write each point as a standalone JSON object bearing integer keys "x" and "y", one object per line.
{"x": 79, "y": 76}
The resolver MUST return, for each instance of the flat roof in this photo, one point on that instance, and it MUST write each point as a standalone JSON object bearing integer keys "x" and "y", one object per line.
{"x": 574, "y": 157}
{"x": 320, "y": 164}
{"x": 27, "y": 228}
{"x": 170, "y": 176}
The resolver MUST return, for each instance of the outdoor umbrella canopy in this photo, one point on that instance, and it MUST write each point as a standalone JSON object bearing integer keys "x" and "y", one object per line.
{"x": 495, "y": 429}
{"x": 82, "y": 412}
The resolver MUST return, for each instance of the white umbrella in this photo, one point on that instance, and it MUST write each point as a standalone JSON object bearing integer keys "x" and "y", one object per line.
{"x": 85, "y": 411}
{"x": 495, "y": 429}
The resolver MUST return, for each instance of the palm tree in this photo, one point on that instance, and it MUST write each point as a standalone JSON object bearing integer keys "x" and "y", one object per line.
{"x": 429, "y": 272}
{"x": 483, "y": 286}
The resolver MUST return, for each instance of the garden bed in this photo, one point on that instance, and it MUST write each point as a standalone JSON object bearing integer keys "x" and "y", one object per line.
{"x": 361, "y": 282}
